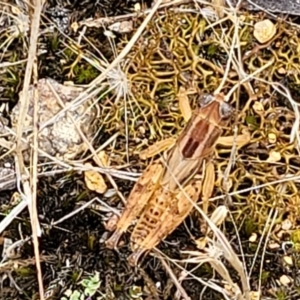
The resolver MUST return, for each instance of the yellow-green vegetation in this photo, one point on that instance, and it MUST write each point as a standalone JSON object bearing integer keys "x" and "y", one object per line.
{"x": 24, "y": 271}
{"x": 281, "y": 295}
{"x": 135, "y": 292}
{"x": 86, "y": 288}
{"x": 295, "y": 238}
{"x": 184, "y": 50}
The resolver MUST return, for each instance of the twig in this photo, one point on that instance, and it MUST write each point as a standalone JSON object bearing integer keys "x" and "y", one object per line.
{"x": 24, "y": 104}
{"x": 174, "y": 278}
{"x": 34, "y": 181}
{"x": 12, "y": 215}
{"x": 262, "y": 239}
{"x": 76, "y": 211}
{"x": 257, "y": 187}
{"x": 247, "y": 78}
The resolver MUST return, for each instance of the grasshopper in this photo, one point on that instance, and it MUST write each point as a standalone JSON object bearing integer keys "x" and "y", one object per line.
{"x": 168, "y": 189}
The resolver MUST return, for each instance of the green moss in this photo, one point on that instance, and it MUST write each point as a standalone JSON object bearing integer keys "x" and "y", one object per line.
{"x": 281, "y": 295}
{"x": 251, "y": 120}
{"x": 295, "y": 238}
{"x": 249, "y": 227}
{"x": 265, "y": 275}
{"x": 91, "y": 242}
{"x": 84, "y": 74}
{"x": 75, "y": 275}
{"x": 54, "y": 42}
{"x": 24, "y": 271}
{"x": 212, "y": 49}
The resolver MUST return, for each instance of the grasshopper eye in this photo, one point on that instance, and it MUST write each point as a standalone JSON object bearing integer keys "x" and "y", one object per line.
{"x": 225, "y": 110}
{"x": 205, "y": 99}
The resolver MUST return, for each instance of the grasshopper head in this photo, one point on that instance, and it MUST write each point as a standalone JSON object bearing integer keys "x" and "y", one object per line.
{"x": 215, "y": 108}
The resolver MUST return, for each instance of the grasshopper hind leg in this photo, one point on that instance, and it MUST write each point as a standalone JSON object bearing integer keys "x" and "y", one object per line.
{"x": 138, "y": 198}
{"x": 134, "y": 257}
{"x": 174, "y": 214}
{"x": 113, "y": 241}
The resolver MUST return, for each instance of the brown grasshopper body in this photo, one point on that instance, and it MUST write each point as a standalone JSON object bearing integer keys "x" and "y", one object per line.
{"x": 166, "y": 192}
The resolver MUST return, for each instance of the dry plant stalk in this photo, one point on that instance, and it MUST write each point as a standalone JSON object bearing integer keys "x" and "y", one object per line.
{"x": 30, "y": 194}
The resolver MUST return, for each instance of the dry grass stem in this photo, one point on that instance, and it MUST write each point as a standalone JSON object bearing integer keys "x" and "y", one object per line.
{"x": 105, "y": 207}
{"x": 179, "y": 287}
